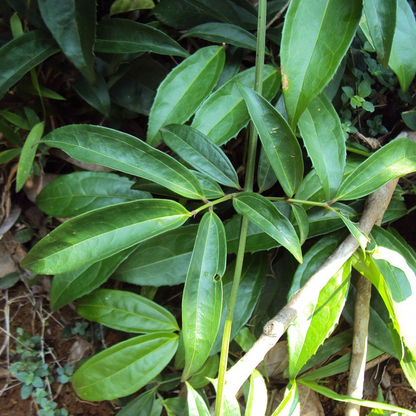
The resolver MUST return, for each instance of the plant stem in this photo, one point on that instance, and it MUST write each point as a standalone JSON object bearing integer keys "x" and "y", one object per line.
{"x": 248, "y": 186}
{"x": 212, "y": 203}
{"x": 300, "y": 201}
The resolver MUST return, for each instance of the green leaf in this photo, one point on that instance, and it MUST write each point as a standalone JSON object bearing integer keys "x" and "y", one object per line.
{"x": 28, "y": 155}
{"x": 10, "y": 134}
{"x": 124, "y": 6}
{"x": 44, "y": 92}
{"x": 72, "y": 24}
{"x": 290, "y": 405}
{"x": 202, "y": 295}
{"x": 124, "y": 368}
{"x": 20, "y": 55}
{"x": 161, "y": 261}
{"x": 403, "y": 52}
{"x": 211, "y": 188}
{"x": 409, "y": 118}
{"x": 278, "y": 140}
{"x": 126, "y": 36}
{"x": 223, "y": 114}
{"x": 321, "y": 131}
{"x": 128, "y": 154}
{"x": 201, "y": 153}
{"x": 381, "y": 20}
{"x": 257, "y": 397}
{"x": 80, "y": 192}
{"x": 69, "y": 286}
{"x": 231, "y": 406}
{"x": 183, "y": 90}
{"x": 223, "y": 33}
{"x": 396, "y": 159}
{"x": 302, "y": 221}
{"x": 15, "y": 119}
{"x": 126, "y": 311}
{"x": 196, "y": 404}
{"x": 266, "y": 177}
{"x": 8, "y": 155}
{"x": 99, "y": 234}
{"x": 308, "y": 32}
{"x": 318, "y": 319}
{"x": 140, "y": 405}
{"x": 208, "y": 370}
{"x": 265, "y": 215}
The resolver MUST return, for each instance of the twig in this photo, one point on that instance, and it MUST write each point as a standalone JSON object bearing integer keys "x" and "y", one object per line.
{"x": 278, "y": 14}
{"x": 377, "y": 204}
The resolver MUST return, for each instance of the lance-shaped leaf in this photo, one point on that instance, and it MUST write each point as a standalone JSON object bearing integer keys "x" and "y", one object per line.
{"x": 201, "y": 153}
{"x": 69, "y": 286}
{"x": 403, "y": 52}
{"x": 128, "y": 154}
{"x": 80, "y": 192}
{"x": 321, "y": 131}
{"x": 223, "y": 33}
{"x": 257, "y": 396}
{"x": 210, "y": 187}
{"x": 183, "y": 90}
{"x": 223, "y": 114}
{"x": 161, "y": 261}
{"x": 126, "y": 311}
{"x": 290, "y": 405}
{"x": 265, "y": 215}
{"x": 126, "y": 36}
{"x": 99, "y": 234}
{"x": 139, "y": 406}
{"x": 318, "y": 319}
{"x": 196, "y": 404}
{"x": 381, "y": 20}
{"x": 124, "y": 368}
{"x": 302, "y": 221}
{"x": 396, "y": 159}
{"x": 22, "y": 54}
{"x": 266, "y": 177}
{"x": 311, "y": 53}
{"x": 202, "y": 296}
{"x": 73, "y": 24}
{"x": 278, "y": 140}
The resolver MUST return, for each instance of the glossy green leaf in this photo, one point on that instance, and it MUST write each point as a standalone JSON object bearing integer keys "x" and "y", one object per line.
{"x": 223, "y": 114}
{"x": 126, "y": 36}
{"x": 257, "y": 397}
{"x": 196, "y": 404}
{"x": 10, "y": 134}
{"x": 72, "y": 24}
{"x": 381, "y": 20}
{"x": 184, "y": 89}
{"x": 211, "y": 188}
{"x": 124, "y": 368}
{"x": 223, "y": 33}
{"x": 99, "y": 234}
{"x": 161, "y": 261}
{"x": 278, "y": 140}
{"x": 266, "y": 177}
{"x": 97, "y": 96}
{"x": 140, "y": 406}
{"x": 396, "y": 159}
{"x": 321, "y": 131}
{"x": 302, "y": 221}
{"x": 311, "y": 53}
{"x": 208, "y": 370}
{"x": 265, "y": 215}
{"x": 16, "y": 119}
{"x": 8, "y": 155}
{"x": 128, "y": 154}
{"x": 202, "y": 296}
{"x": 403, "y": 52}
{"x": 28, "y": 155}
{"x": 201, "y": 153}
{"x": 69, "y": 286}
{"x": 22, "y": 54}
{"x": 80, "y": 192}
{"x": 124, "y": 6}
{"x": 126, "y": 311}
{"x": 290, "y": 405}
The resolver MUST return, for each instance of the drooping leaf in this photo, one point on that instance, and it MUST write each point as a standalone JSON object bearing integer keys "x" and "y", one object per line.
{"x": 223, "y": 114}
{"x": 183, "y": 90}
{"x": 396, "y": 159}
{"x": 223, "y": 33}
{"x": 321, "y": 130}
{"x": 196, "y": 404}
{"x": 320, "y": 47}
{"x": 126, "y": 36}
{"x": 265, "y": 215}
{"x": 70, "y": 286}
{"x": 201, "y": 153}
{"x": 22, "y": 54}
{"x": 126, "y": 311}
{"x": 73, "y": 24}
{"x": 257, "y": 397}
{"x": 99, "y": 234}
{"x": 403, "y": 52}
{"x": 128, "y": 154}
{"x": 202, "y": 296}
{"x": 28, "y": 155}
{"x": 161, "y": 261}
{"x": 124, "y": 368}
{"x": 381, "y": 20}
{"x": 80, "y": 192}
{"x": 278, "y": 140}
